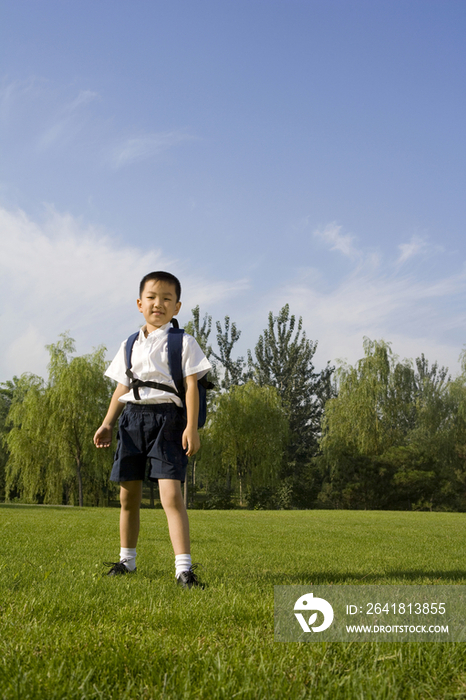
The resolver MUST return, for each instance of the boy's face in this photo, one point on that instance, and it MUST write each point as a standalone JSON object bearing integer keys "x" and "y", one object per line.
{"x": 158, "y": 303}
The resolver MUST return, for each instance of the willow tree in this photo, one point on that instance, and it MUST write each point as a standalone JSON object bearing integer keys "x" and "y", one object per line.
{"x": 11, "y": 392}
{"x": 387, "y": 438}
{"x": 52, "y": 456}
{"x": 445, "y": 430}
{"x": 26, "y": 468}
{"x": 245, "y": 438}
{"x": 374, "y": 408}
{"x": 371, "y": 414}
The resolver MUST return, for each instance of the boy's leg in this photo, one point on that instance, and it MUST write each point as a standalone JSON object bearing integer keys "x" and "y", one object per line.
{"x": 178, "y": 527}
{"x": 177, "y": 517}
{"x": 130, "y": 499}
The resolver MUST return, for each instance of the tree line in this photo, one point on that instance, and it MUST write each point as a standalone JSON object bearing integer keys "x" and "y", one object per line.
{"x": 379, "y": 434}
{"x": 394, "y": 436}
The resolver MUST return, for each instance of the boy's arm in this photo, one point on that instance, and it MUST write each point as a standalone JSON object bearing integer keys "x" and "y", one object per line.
{"x": 190, "y": 440}
{"x": 103, "y": 436}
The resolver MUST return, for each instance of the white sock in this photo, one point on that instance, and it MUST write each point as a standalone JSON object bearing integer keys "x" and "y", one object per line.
{"x": 129, "y": 555}
{"x": 182, "y": 563}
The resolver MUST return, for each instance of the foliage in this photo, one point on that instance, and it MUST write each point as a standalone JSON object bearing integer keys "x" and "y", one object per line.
{"x": 383, "y": 433}
{"x": 201, "y": 332}
{"x": 245, "y": 438}
{"x": 233, "y": 369}
{"x": 24, "y": 440}
{"x": 391, "y": 438}
{"x": 283, "y": 358}
{"x": 373, "y": 409}
{"x": 279, "y": 497}
{"x": 10, "y": 392}
{"x": 456, "y": 436}
{"x": 219, "y": 497}
{"x": 261, "y": 498}
{"x": 52, "y": 457}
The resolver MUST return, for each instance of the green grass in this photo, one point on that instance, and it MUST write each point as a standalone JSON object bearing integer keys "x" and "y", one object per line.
{"x": 66, "y": 631}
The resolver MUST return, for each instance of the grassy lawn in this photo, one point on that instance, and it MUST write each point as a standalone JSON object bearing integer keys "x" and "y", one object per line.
{"x": 66, "y": 631}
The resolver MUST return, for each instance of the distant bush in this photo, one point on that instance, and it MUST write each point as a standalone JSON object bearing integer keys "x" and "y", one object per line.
{"x": 219, "y": 497}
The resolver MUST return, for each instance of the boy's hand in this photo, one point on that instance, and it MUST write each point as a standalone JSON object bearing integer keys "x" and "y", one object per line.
{"x": 103, "y": 436}
{"x": 190, "y": 441}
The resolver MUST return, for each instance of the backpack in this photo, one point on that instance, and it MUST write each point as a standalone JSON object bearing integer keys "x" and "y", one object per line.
{"x": 175, "y": 349}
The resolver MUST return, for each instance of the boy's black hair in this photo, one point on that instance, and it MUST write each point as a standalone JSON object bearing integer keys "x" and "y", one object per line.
{"x": 162, "y": 277}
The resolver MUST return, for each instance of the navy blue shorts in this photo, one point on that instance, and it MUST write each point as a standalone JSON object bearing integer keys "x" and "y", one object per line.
{"x": 150, "y": 432}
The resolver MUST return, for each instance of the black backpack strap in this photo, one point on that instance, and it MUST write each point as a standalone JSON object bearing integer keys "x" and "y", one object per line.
{"x": 129, "y": 348}
{"x": 175, "y": 352}
{"x": 134, "y": 383}
{"x": 203, "y": 381}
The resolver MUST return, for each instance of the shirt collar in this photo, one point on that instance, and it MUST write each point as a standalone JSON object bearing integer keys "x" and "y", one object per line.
{"x": 158, "y": 331}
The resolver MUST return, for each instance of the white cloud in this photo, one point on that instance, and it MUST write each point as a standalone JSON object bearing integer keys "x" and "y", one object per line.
{"x": 55, "y": 117}
{"x": 84, "y": 97}
{"x": 337, "y": 241}
{"x": 65, "y": 275}
{"x": 62, "y": 274}
{"x": 13, "y": 92}
{"x": 408, "y": 250}
{"x": 417, "y": 246}
{"x": 68, "y": 122}
{"x": 147, "y": 146}
{"x": 416, "y": 314}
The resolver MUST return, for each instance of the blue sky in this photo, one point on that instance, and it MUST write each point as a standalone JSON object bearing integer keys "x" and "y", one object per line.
{"x": 310, "y": 153}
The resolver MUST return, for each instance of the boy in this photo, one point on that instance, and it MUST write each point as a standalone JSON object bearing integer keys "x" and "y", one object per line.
{"x": 153, "y": 427}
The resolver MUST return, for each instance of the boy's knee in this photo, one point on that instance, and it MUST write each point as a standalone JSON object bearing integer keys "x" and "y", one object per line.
{"x": 130, "y": 494}
{"x": 170, "y": 494}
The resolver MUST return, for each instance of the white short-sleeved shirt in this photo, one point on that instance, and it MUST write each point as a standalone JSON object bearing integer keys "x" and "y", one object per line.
{"x": 149, "y": 362}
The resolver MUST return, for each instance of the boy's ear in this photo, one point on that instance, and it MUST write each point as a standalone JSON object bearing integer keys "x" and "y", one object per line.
{"x": 177, "y": 308}
{"x": 139, "y": 304}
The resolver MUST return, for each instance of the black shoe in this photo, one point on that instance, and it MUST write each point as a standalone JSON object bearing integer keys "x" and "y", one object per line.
{"x": 118, "y": 568}
{"x": 188, "y": 579}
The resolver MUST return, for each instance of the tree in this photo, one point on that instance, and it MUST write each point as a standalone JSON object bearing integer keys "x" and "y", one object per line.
{"x": 245, "y": 438}
{"x": 425, "y": 465}
{"x": 200, "y": 332}
{"x": 283, "y": 358}
{"x": 374, "y": 407}
{"x": 233, "y": 369}
{"x": 371, "y": 414}
{"x": 388, "y": 437}
{"x": 27, "y": 390}
{"x": 10, "y": 391}
{"x": 52, "y": 456}
{"x": 445, "y": 425}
